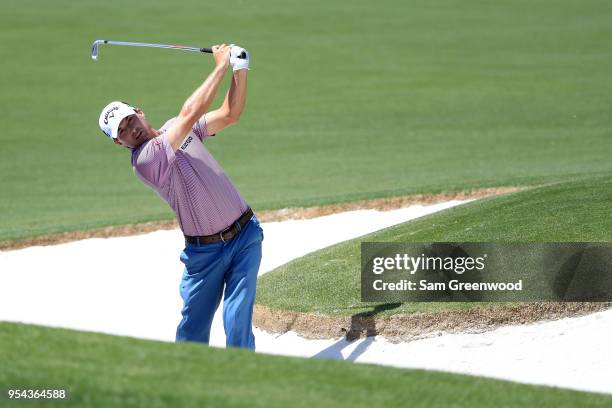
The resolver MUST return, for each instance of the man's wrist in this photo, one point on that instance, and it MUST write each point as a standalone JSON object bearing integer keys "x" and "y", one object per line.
{"x": 220, "y": 69}
{"x": 240, "y": 73}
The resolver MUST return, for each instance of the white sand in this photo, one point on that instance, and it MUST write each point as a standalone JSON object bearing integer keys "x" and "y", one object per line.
{"x": 129, "y": 286}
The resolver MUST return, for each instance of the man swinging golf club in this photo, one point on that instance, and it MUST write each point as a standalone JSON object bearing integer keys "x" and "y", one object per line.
{"x": 222, "y": 235}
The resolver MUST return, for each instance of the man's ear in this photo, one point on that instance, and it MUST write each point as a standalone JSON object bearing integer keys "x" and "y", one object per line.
{"x": 140, "y": 112}
{"x": 116, "y": 141}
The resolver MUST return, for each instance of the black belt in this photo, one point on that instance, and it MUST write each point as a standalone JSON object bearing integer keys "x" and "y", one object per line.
{"x": 225, "y": 235}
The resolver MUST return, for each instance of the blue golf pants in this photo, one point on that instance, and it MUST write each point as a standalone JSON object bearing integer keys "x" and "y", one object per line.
{"x": 210, "y": 267}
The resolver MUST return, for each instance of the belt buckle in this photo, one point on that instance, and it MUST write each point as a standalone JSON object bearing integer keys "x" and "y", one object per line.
{"x": 235, "y": 224}
{"x": 225, "y": 230}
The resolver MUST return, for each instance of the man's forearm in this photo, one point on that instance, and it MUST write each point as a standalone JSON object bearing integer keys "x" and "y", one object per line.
{"x": 236, "y": 96}
{"x": 201, "y": 99}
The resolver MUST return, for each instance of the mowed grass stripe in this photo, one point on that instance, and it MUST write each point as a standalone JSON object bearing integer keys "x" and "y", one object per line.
{"x": 328, "y": 280}
{"x": 104, "y": 371}
{"x": 345, "y": 103}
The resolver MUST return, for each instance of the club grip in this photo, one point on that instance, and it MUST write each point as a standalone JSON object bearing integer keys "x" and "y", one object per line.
{"x": 209, "y": 51}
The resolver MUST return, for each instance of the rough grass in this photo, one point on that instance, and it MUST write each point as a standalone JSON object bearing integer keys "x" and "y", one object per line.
{"x": 107, "y": 371}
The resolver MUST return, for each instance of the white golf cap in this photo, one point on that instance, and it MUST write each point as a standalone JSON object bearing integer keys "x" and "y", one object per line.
{"x": 111, "y": 116}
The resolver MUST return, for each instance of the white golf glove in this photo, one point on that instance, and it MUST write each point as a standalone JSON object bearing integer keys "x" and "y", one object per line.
{"x": 238, "y": 63}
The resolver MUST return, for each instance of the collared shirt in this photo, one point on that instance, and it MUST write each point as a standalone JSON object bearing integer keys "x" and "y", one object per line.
{"x": 190, "y": 180}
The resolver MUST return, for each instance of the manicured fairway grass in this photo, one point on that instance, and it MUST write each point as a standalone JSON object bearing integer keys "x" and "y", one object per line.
{"x": 345, "y": 102}
{"x": 107, "y": 371}
{"x": 328, "y": 281}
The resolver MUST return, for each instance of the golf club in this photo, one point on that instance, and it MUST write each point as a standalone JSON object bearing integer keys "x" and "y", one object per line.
{"x": 97, "y": 43}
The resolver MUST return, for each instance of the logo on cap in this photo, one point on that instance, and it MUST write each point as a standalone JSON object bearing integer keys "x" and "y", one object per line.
{"x": 110, "y": 114}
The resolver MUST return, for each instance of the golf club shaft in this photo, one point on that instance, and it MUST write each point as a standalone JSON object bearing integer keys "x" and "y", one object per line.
{"x": 171, "y": 46}
{"x": 94, "y": 50}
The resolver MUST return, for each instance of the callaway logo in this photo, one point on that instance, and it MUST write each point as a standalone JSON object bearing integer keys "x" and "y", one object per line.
{"x": 110, "y": 114}
{"x": 184, "y": 145}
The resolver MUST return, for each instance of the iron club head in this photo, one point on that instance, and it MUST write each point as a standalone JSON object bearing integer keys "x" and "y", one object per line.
{"x": 94, "y": 49}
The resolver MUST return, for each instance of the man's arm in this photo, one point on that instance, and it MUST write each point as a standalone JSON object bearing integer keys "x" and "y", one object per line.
{"x": 232, "y": 107}
{"x": 195, "y": 106}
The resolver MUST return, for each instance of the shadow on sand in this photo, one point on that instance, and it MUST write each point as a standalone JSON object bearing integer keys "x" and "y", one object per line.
{"x": 362, "y": 325}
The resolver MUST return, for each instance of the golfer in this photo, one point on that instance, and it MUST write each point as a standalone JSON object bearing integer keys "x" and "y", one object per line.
{"x": 222, "y": 236}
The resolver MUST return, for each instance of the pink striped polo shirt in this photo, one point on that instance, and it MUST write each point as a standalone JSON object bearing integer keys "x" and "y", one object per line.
{"x": 190, "y": 180}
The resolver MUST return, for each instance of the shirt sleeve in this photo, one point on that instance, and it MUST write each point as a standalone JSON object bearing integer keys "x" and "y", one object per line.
{"x": 200, "y": 129}
{"x": 153, "y": 162}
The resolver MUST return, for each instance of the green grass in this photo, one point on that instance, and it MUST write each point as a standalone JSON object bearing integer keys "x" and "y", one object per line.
{"x": 107, "y": 371}
{"x": 376, "y": 99}
{"x": 328, "y": 281}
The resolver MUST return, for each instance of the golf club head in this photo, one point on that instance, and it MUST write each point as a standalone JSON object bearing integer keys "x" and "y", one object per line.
{"x": 94, "y": 49}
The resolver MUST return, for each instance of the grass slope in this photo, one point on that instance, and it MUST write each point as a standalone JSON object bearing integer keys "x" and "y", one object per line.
{"x": 107, "y": 371}
{"x": 328, "y": 281}
{"x": 376, "y": 99}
